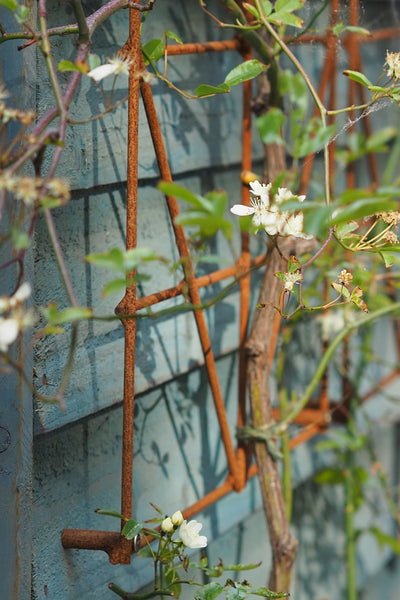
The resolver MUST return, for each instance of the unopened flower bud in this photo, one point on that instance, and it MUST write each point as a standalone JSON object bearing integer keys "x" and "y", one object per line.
{"x": 177, "y": 518}
{"x": 167, "y": 525}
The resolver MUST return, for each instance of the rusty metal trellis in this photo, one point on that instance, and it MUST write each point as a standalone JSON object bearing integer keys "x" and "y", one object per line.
{"x": 315, "y": 418}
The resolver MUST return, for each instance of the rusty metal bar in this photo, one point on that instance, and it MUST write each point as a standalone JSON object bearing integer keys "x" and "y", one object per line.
{"x": 199, "y": 48}
{"x": 243, "y": 265}
{"x": 194, "y": 295}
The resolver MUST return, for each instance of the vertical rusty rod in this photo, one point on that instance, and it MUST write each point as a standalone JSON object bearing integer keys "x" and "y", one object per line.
{"x": 127, "y": 305}
{"x": 244, "y": 282}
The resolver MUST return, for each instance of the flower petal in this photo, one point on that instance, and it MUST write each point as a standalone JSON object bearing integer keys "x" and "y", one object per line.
{"x": 241, "y": 210}
{"x": 102, "y": 72}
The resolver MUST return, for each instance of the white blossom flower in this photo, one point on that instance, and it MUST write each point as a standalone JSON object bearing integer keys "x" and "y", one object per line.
{"x": 189, "y": 535}
{"x": 284, "y": 195}
{"x": 393, "y": 64}
{"x": 8, "y": 333}
{"x": 167, "y": 525}
{"x": 9, "y": 302}
{"x": 114, "y": 66}
{"x": 267, "y": 214}
{"x": 259, "y": 207}
{"x": 177, "y": 518}
{"x": 291, "y": 279}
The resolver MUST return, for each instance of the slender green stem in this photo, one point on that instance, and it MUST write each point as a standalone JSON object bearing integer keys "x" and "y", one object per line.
{"x": 327, "y": 356}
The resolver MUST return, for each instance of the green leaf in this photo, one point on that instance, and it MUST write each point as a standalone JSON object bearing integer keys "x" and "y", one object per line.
{"x": 358, "y": 77}
{"x": 93, "y": 61}
{"x": 313, "y": 138}
{"x": 174, "y": 189}
{"x": 266, "y": 7}
{"x": 266, "y": 593}
{"x": 146, "y": 552}
{"x": 69, "y": 315}
{"x": 362, "y": 208}
{"x": 153, "y": 51}
{"x": 270, "y": 125}
{"x": 331, "y": 476}
{"x": 386, "y": 539}
{"x": 245, "y": 71}
{"x": 109, "y": 513}
{"x": 252, "y": 10}
{"x": 288, "y": 5}
{"x": 209, "y": 591}
{"x": 173, "y": 36}
{"x": 378, "y": 140}
{"x": 67, "y": 65}
{"x": 388, "y": 258}
{"x": 285, "y": 18}
{"x": 10, "y": 4}
{"x": 210, "y": 90}
{"x": 19, "y": 238}
{"x": 122, "y": 262}
{"x": 131, "y": 528}
{"x": 341, "y": 27}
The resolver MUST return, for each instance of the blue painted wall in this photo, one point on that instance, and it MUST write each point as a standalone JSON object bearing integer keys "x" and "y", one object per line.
{"x": 178, "y": 454}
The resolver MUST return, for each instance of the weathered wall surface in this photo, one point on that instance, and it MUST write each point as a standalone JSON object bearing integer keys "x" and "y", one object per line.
{"x": 178, "y": 452}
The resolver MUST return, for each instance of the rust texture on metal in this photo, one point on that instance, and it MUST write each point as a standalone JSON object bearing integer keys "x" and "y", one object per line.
{"x": 315, "y": 417}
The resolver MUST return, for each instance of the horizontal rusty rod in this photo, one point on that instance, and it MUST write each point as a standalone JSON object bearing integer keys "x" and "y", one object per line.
{"x": 109, "y": 542}
{"x": 177, "y": 49}
{"x": 204, "y": 280}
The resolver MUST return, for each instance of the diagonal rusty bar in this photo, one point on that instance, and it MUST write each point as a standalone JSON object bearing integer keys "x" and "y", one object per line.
{"x": 193, "y": 290}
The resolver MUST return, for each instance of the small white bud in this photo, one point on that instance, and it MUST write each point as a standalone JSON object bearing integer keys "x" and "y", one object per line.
{"x": 177, "y": 518}
{"x": 167, "y": 525}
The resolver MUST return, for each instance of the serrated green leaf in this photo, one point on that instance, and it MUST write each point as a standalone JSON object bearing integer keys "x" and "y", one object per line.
{"x": 245, "y": 71}
{"x": 205, "y": 90}
{"x": 358, "y": 77}
{"x": 131, "y": 528}
{"x": 209, "y": 591}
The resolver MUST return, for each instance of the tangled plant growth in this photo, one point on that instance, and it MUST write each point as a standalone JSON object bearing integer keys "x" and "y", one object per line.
{"x": 349, "y": 237}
